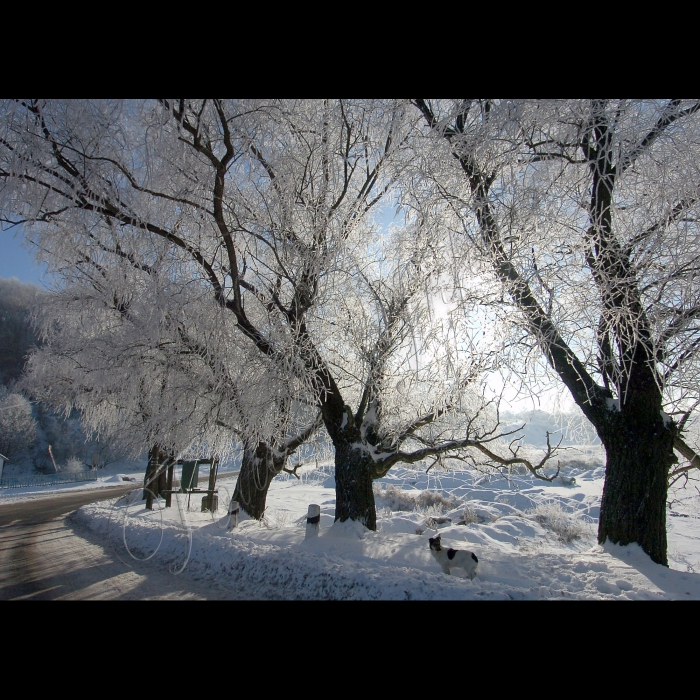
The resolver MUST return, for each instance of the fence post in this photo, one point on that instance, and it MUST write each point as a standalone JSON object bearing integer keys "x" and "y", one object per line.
{"x": 313, "y": 520}
{"x": 169, "y": 485}
{"x": 233, "y": 510}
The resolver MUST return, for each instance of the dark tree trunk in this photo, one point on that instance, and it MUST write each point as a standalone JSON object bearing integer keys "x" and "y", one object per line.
{"x": 156, "y": 478}
{"x": 258, "y": 468}
{"x": 633, "y": 507}
{"x": 354, "y": 498}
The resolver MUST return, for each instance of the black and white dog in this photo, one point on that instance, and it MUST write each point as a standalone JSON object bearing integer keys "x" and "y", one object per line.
{"x": 450, "y": 558}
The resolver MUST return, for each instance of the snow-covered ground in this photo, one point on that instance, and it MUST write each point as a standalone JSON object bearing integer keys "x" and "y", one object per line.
{"x": 533, "y": 539}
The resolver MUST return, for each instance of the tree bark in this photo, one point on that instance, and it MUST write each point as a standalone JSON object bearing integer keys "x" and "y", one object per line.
{"x": 156, "y": 479}
{"x": 258, "y": 468}
{"x": 354, "y": 497}
{"x": 633, "y": 506}
{"x": 260, "y": 465}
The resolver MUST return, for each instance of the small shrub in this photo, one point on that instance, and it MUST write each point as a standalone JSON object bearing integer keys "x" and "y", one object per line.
{"x": 18, "y": 428}
{"x": 394, "y": 497}
{"x": 430, "y": 503}
{"x": 469, "y": 516}
{"x": 436, "y": 501}
{"x": 566, "y": 526}
{"x": 73, "y": 465}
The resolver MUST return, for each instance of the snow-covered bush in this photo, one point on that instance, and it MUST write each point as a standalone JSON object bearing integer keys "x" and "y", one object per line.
{"x": 437, "y": 502}
{"x": 18, "y": 429}
{"x": 73, "y": 465}
{"x": 394, "y": 497}
{"x": 427, "y": 502}
{"x": 469, "y": 516}
{"x": 553, "y": 517}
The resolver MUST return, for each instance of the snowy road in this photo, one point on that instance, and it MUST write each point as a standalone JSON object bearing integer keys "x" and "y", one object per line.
{"x": 44, "y": 556}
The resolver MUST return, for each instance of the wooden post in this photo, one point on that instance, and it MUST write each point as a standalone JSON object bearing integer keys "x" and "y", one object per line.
{"x": 233, "y": 510}
{"x": 207, "y": 501}
{"x": 53, "y": 461}
{"x": 169, "y": 495}
{"x": 210, "y": 502}
{"x": 313, "y": 520}
{"x": 212, "y": 474}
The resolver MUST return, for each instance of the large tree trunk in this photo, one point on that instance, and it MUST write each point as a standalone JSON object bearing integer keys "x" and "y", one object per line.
{"x": 155, "y": 480}
{"x": 260, "y": 465}
{"x": 258, "y": 468}
{"x": 354, "y": 498}
{"x": 633, "y": 507}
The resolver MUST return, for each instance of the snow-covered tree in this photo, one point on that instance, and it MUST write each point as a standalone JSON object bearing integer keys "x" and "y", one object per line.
{"x": 18, "y": 428}
{"x": 157, "y": 371}
{"x": 586, "y": 214}
{"x": 263, "y": 207}
{"x": 18, "y": 301}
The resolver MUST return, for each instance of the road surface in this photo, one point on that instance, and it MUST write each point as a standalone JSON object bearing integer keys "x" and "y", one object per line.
{"x": 45, "y": 557}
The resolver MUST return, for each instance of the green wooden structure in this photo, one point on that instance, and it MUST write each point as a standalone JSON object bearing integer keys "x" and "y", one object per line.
{"x": 189, "y": 482}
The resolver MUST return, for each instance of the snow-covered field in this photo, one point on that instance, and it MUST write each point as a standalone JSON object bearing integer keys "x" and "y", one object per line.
{"x": 534, "y": 540}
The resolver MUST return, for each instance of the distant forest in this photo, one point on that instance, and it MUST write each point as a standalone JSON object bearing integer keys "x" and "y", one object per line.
{"x": 27, "y": 428}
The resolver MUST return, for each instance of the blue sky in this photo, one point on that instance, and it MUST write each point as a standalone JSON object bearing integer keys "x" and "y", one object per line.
{"x": 16, "y": 261}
